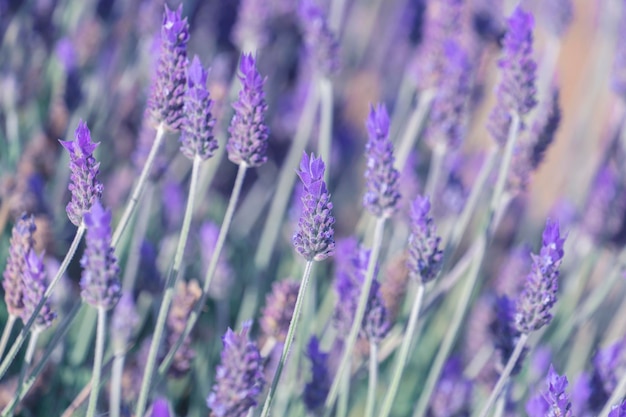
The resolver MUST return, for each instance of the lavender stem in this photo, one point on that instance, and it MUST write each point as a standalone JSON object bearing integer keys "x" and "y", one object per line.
{"x": 414, "y": 125}
{"x": 28, "y": 360}
{"x": 97, "y": 362}
{"x": 289, "y": 338}
{"x": 435, "y": 170}
{"x": 6, "y": 333}
{"x": 326, "y": 122}
{"x": 115, "y": 400}
{"x": 373, "y": 381}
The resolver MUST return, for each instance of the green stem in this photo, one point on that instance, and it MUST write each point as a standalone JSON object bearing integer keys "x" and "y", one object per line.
{"x": 117, "y": 371}
{"x": 505, "y": 374}
{"x": 346, "y": 357}
{"x": 21, "y": 338}
{"x": 373, "y": 381}
{"x": 416, "y": 121}
{"x": 6, "y": 333}
{"x": 342, "y": 402}
{"x": 134, "y": 198}
{"x": 97, "y": 362}
{"x": 168, "y": 295}
{"x": 403, "y": 353}
{"x": 289, "y": 339}
{"x": 219, "y": 245}
{"x": 326, "y": 122}
{"x": 28, "y": 360}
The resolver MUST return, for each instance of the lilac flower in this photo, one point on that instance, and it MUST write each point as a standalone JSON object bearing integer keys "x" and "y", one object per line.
{"x": 160, "y": 408}
{"x": 539, "y": 295}
{"x": 425, "y": 256}
{"x": 558, "y": 15}
{"x": 84, "y": 184}
{"x": 35, "y": 284}
{"x": 250, "y": 31}
{"x": 239, "y": 378}
{"x": 197, "y": 126}
{"x": 187, "y": 294}
{"x": 382, "y": 195}
{"x": 505, "y": 334}
{"x": 279, "y": 306}
{"x": 168, "y": 87}
{"x": 553, "y": 402}
{"x": 516, "y": 90}
{"x": 321, "y": 43}
{"x": 314, "y": 239}
{"x": 316, "y": 390}
{"x": 618, "y": 410}
{"x": 22, "y": 242}
{"x": 124, "y": 322}
{"x": 248, "y": 132}
{"x": 453, "y": 394}
{"x": 99, "y": 282}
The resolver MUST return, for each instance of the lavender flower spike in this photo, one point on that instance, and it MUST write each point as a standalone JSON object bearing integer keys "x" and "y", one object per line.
{"x": 315, "y": 236}
{"x": 376, "y": 323}
{"x": 168, "y": 87}
{"x": 22, "y": 242}
{"x": 539, "y": 293}
{"x": 239, "y": 378}
{"x": 197, "y": 127}
{"x": 618, "y": 76}
{"x": 319, "y": 39}
{"x": 279, "y": 307}
{"x": 382, "y": 195}
{"x": 248, "y": 132}
{"x": 554, "y": 402}
{"x": 35, "y": 284}
{"x": 618, "y": 410}
{"x": 425, "y": 256}
{"x": 99, "y": 282}
{"x": 84, "y": 184}
{"x": 316, "y": 390}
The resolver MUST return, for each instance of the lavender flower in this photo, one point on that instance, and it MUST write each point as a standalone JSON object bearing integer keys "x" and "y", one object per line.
{"x": 248, "y": 132}
{"x": 223, "y": 277}
{"x": 84, "y": 184}
{"x": 394, "y": 286}
{"x": 316, "y": 390}
{"x": 168, "y": 87}
{"x": 35, "y": 283}
{"x": 239, "y": 378}
{"x": 618, "y": 77}
{"x": 376, "y": 323}
{"x": 618, "y": 410}
{"x": 352, "y": 262}
{"x": 22, "y": 243}
{"x": 197, "y": 127}
{"x": 250, "y": 31}
{"x": 279, "y": 306}
{"x": 124, "y": 322}
{"x": 187, "y": 294}
{"x": 320, "y": 41}
{"x": 314, "y": 239}
{"x": 516, "y": 90}
{"x": 606, "y": 204}
{"x": 608, "y": 365}
{"x": 558, "y": 15}
{"x": 382, "y": 195}
{"x": 99, "y": 282}
{"x": 554, "y": 402}
{"x": 425, "y": 256}
{"x": 505, "y": 334}
{"x": 160, "y": 408}
{"x": 453, "y": 395}
{"x": 539, "y": 294}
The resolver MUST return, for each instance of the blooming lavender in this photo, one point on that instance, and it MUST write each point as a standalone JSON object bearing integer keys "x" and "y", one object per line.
{"x": 321, "y": 43}
{"x": 425, "y": 256}
{"x": 314, "y": 239}
{"x": 99, "y": 282}
{"x": 167, "y": 93}
{"x": 606, "y": 204}
{"x": 84, "y": 184}
{"x": 539, "y": 294}
{"x": 239, "y": 378}
{"x": 35, "y": 283}
{"x": 618, "y": 410}
{"x": 160, "y": 408}
{"x": 223, "y": 277}
{"x": 554, "y": 402}
{"x": 278, "y": 311}
{"x": 558, "y": 15}
{"x": 187, "y": 294}
{"x": 505, "y": 333}
{"x": 376, "y": 322}
{"x": 316, "y": 390}
{"x": 247, "y": 143}
{"x": 516, "y": 89}
{"x": 197, "y": 137}
{"x": 21, "y": 244}
{"x": 124, "y": 322}
{"x": 250, "y": 32}
{"x": 609, "y": 364}
{"x": 382, "y": 195}
{"x": 453, "y": 395}
{"x": 351, "y": 267}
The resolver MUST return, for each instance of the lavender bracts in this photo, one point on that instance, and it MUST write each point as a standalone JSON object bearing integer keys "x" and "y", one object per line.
{"x": 316, "y": 390}
{"x": 22, "y": 243}
{"x": 84, "y": 184}
{"x": 425, "y": 256}
{"x": 35, "y": 283}
{"x": 554, "y": 402}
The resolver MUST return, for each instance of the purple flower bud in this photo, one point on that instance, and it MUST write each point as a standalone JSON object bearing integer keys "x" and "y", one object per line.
{"x": 248, "y": 132}
{"x": 35, "y": 284}
{"x": 22, "y": 242}
{"x": 316, "y": 390}
{"x": 618, "y": 410}
{"x": 84, "y": 184}
{"x": 160, "y": 408}
{"x": 99, "y": 282}
{"x": 168, "y": 87}
{"x": 321, "y": 43}
{"x": 505, "y": 334}
{"x": 124, "y": 322}
{"x": 453, "y": 394}
{"x": 197, "y": 126}
{"x": 187, "y": 294}
{"x": 425, "y": 256}
{"x": 382, "y": 195}
{"x": 554, "y": 402}
{"x": 279, "y": 306}
{"x": 516, "y": 90}
{"x": 541, "y": 286}
{"x": 239, "y": 378}
{"x": 314, "y": 239}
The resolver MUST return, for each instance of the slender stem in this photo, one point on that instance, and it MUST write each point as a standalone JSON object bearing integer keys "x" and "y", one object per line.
{"x": 346, "y": 357}
{"x": 435, "y": 171}
{"x": 28, "y": 360}
{"x": 21, "y": 338}
{"x": 326, "y": 122}
{"x": 6, "y": 333}
{"x": 134, "y": 198}
{"x": 501, "y": 404}
{"x": 411, "y": 132}
{"x": 403, "y": 354}
{"x": 342, "y": 403}
{"x": 289, "y": 339}
{"x": 168, "y": 295}
{"x": 97, "y": 362}
{"x": 504, "y": 376}
{"x": 373, "y": 381}
{"x": 221, "y": 238}
{"x": 335, "y": 17}
{"x": 117, "y": 371}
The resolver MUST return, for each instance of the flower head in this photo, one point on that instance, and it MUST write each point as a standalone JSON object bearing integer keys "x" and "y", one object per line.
{"x": 376, "y": 322}
{"x": 453, "y": 394}
{"x": 250, "y": 31}
{"x": 316, "y": 390}
{"x": 35, "y": 284}
{"x": 315, "y": 236}
{"x": 223, "y": 277}
{"x": 279, "y": 306}
{"x": 618, "y": 410}
{"x": 22, "y": 242}
{"x": 187, "y": 294}
{"x": 321, "y": 43}
{"x": 239, "y": 378}
{"x": 197, "y": 127}
{"x": 425, "y": 256}
{"x": 248, "y": 132}
{"x": 505, "y": 334}
{"x": 603, "y": 216}
{"x": 124, "y": 322}
{"x": 558, "y": 15}
{"x": 554, "y": 402}
{"x": 99, "y": 282}
{"x": 382, "y": 195}
{"x": 160, "y": 408}
{"x": 84, "y": 184}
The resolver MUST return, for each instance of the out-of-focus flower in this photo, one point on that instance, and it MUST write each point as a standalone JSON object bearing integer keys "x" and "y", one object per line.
{"x": 603, "y": 216}
{"x": 124, "y": 322}
{"x": 187, "y": 294}
{"x": 553, "y": 401}
{"x": 21, "y": 244}
{"x": 351, "y": 266}
{"x": 394, "y": 286}
{"x": 510, "y": 275}
{"x": 320, "y": 41}
{"x": 279, "y": 306}
{"x": 618, "y": 79}
{"x": 425, "y": 256}
{"x": 316, "y": 390}
{"x": 35, "y": 283}
{"x": 223, "y": 277}
{"x": 505, "y": 334}
{"x": 160, "y": 408}
{"x": 84, "y": 184}
{"x": 250, "y": 31}
{"x": 452, "y": 396}
{"x": 376, "y": 322}
{"x": 618, "y": 410}
{"x": 558, "y": 15}
{"x": 609, "y": 364}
